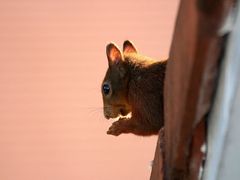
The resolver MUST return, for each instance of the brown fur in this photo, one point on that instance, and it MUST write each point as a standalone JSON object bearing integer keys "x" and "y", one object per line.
{"x": 136, "y": 84}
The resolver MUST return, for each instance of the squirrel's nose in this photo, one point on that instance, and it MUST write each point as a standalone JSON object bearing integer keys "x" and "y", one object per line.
{"x": 123, "y": 112}
{"x": 107, "y": 116}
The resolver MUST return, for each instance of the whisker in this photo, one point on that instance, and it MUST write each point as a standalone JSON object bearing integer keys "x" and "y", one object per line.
{"x": 95, "y": 113}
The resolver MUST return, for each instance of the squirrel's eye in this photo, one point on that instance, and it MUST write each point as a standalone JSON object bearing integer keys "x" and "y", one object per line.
{"x": 106, "y": 89}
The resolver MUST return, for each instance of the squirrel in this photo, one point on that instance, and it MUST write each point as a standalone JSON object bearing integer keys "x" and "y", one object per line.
{"x": 133, "y": 84}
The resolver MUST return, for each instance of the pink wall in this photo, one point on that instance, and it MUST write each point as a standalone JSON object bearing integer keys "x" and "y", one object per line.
{"x": 52, "y": 55}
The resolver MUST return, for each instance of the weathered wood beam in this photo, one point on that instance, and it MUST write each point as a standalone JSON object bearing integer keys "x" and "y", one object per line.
{"x": 191, "y": 78}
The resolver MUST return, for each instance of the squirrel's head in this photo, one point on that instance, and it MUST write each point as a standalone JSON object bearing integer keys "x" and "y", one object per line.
{"x": 115, "y": 83}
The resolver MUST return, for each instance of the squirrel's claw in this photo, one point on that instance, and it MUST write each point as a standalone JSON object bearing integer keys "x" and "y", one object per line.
{"x": 116, "y": 129}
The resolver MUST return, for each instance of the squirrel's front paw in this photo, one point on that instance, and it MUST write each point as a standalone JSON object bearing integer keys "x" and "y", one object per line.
{"x": 117, "y": 128}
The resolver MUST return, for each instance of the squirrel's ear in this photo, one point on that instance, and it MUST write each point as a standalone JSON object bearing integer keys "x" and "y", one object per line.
{"x": 128, "y": 47}
{"x": 114, "y": 55}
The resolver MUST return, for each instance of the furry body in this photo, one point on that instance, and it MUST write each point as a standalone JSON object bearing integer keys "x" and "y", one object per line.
{"x": 137, "y": 87}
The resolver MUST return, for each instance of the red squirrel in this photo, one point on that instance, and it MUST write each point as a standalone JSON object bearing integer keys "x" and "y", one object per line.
{"x": 133, "y": 84}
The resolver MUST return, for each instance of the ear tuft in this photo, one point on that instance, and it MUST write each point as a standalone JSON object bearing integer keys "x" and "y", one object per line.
{"x": 128, "y": 47}
{"x": 113, "y": 53}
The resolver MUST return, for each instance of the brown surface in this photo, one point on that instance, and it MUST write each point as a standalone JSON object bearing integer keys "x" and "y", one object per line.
{"x": 196, "y": 155}
{"x": 157, "y": 169}
{"x": 190, "y": 80}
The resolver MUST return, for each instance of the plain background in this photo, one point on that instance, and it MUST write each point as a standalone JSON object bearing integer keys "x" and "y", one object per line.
{"x": 52, "y": 55}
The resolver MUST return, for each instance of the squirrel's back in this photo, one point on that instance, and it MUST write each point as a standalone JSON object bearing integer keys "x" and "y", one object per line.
{"x": 146, "y": 87}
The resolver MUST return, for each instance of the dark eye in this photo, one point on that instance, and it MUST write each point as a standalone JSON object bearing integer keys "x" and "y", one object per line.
{"x": 106, "y": 89}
